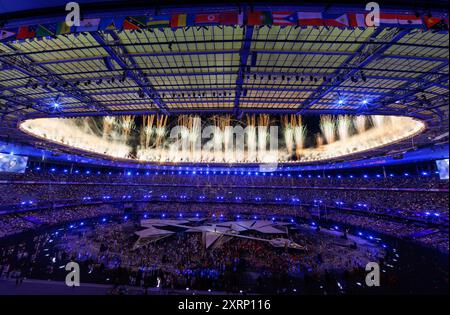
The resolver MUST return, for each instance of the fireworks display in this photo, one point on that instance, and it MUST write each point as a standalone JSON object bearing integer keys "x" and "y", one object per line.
{"x": 153, "y": 139}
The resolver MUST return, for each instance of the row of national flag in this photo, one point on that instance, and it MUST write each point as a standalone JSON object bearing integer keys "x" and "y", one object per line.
{"x": 255, "y": 18}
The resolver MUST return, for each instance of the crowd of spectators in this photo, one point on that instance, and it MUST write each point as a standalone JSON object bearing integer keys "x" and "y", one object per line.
{"x": 11, "y": 224}
{"x": 236, "y": 178}
{"x": 435, "y": 236}
{"x": 181, "y": 261}
{"x": 427, "y": 236}
{"x": 42, "y": 198}
{"x": 421, "y": 205}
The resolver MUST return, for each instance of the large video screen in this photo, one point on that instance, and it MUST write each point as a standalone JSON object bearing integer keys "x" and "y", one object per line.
{"x": 442, "y": 166}
{"x": 13, "y": 163}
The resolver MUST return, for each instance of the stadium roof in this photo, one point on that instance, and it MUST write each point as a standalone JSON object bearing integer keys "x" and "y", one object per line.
{"x": 225, "y": 68}
{"x": 232, "y": 69}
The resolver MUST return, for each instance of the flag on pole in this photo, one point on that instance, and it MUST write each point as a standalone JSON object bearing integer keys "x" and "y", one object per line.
{"x": 158, "y": 21}
{"x": 232, "y": 18}
{"x": 259, "y": 18}
{"x": 388, "y": 19}
{"x": 410, "y": 20}
{"x": 178, "y": 20}
{"x": 134, "y": 22}
{"x": 357, "y": 19}
{"x": 436, "y": 23}
{"x": 111, "y": 24}
{"x": 25, "y": 32}
{"x": 333, "y": 20}
{"x": 43, "y": 31}
{"x": 4, "y": 34}
{"x": 310, "y": 18}
{"x": 88, "y": 25}
{"x": 284, "y": 18}
{"x": 63, "y": 28}
{"x": 213, "y": 18}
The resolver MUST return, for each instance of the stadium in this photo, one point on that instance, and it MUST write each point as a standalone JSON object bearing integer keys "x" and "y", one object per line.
{"x": 248, "y": 148}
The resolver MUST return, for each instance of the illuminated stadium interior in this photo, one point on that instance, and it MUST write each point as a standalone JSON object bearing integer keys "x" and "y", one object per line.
{"x": 228, "y": 148}
{"x": 114, "y": 138}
